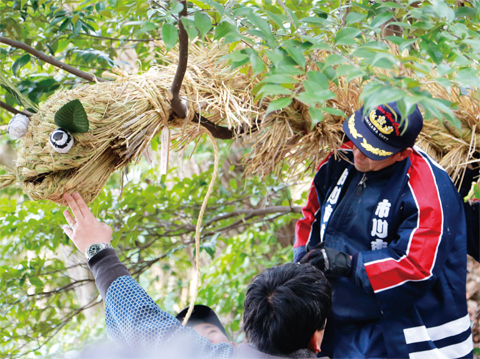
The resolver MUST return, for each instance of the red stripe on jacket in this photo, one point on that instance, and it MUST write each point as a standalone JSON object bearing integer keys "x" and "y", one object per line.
{"x": 422, "y": 248}
{"x": 303, "y": 228}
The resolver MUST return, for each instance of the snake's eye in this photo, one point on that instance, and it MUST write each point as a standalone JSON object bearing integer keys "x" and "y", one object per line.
{"x": 61, "y": 140}
{"x": 18, "y": 126}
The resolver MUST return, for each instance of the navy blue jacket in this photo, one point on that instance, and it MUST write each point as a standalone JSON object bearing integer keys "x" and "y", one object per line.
{"x": 404, "y": 227}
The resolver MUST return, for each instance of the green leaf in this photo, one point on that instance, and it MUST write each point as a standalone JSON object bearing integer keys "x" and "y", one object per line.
{"x": 282, "y": 79}
{"x": 149, "y": 26}
{"x": 316, "y": 115}
{"x": 354, "y": 17}
{"x": 395, "y": 39}
{"x": 64, "y": 25}
{"x": 202, "y": 22}
{"x": 219, "y": 7}
{"x": 36, "y": 281}
{"x": 313, "y": 20}
{"x": 276, "y": 18}
{"x": 223, "y": 29}
{"x": 169, "y": 36}
{"x": 297, "y": 55}
{"x": 391, "y": 4}
{"x": 190, "y": 28}
{"x": 335, "y": 59}
{"x": 76, "y": 28}
{"x": 346, "y": 36}
{"x": 278, "y": 104}
{"x": 334, "y": 111}
{"x": 19, "y": 63}
{"x": 319, "y": 78}
{"x": 177, "y": 7}
{"x": 292, "y": 16}
{"x": 444, "y": 69}
{"x": 350, "y": 71}
{"x": 258, "y": 66}
{"x": 271, "y": 90}
{"x": 381, "y": 19}
{"x": 464, "y": 11}
{"x": 434, "y": 52}
{"x": 406, "y": 44}
{"x": 72, "y": 117}
{"x": 260, "y": 23}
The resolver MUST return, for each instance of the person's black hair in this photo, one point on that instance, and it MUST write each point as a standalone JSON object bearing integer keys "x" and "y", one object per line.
{"x": 284, "y": 306}
{"x": 201, "y": 314}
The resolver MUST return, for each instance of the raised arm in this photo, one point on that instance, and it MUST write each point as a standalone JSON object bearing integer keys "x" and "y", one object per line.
{"x": 132, "y": 317}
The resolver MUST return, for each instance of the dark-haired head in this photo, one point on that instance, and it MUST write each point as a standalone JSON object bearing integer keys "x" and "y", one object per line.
{"x": 285, "y": 307}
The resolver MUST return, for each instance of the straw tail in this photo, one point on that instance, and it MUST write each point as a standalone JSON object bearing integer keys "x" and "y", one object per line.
{"x": 7, "y": 180}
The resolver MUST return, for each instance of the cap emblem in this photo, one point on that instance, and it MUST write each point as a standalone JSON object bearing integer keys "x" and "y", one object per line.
{"x": 380, "y": 123}
{"x": 374, "y": 150}
{"x": 351, "y": 127}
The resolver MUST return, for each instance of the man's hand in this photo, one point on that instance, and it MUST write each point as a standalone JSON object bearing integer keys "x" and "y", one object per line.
{"x": 330, "y": 261}
{"x": 84, "y": 229}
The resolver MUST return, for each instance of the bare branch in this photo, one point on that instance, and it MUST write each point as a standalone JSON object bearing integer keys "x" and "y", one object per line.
{"x": 220, "y": 132}
{"x": 256, "y": 212}
{"x": 13, "y": 110}
{"x": 67, "y": 287}
{"x": 51, "y": 60}
{"x": 177, "y": 106}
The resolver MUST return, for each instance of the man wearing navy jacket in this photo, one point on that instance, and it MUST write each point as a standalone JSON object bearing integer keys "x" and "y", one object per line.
{"x": 386, "y": 225}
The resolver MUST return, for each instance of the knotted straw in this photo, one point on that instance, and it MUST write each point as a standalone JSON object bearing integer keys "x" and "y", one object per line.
{"x": 196, "y": 280}
{"x": 124, "y": 116}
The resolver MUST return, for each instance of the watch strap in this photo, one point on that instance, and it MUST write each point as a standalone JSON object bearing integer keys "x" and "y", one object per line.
{"x": 95, "y": 248}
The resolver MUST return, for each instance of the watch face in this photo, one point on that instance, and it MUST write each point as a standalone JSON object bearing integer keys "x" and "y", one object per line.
{"x": 93, "y": 249}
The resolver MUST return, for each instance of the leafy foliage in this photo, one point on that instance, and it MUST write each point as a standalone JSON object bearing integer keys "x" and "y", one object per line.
{"x": 296, "y": 48}
{"x": 154, "y": 221}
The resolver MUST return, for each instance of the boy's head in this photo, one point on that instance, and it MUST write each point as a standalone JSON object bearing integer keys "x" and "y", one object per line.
{"x": 206, "y": 323}
{"x": 286, "y": 309}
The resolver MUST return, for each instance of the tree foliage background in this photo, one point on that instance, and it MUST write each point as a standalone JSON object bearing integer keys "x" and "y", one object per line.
{"x": 47, "y": 306}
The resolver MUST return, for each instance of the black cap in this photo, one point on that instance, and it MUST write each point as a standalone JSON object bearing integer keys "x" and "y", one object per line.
{"x": 382, "y": 132}
{"x": 201, "y": 314}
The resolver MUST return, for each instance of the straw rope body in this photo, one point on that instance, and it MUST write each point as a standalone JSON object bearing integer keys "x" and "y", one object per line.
{"x": 124, "y": 116}
{"x": 127, "y": 113}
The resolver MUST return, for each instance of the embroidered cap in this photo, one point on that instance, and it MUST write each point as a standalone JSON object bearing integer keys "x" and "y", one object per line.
{"x": 381, "y": 132}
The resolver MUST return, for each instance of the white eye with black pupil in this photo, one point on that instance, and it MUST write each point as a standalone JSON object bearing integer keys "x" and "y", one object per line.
{"x": 61, "y": 140}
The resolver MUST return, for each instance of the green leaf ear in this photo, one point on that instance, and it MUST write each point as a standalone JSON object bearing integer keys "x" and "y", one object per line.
{"x": 72, "y": 117}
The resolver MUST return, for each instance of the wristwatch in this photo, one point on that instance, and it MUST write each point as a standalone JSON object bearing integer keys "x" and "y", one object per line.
{"x": 95, "y": 248}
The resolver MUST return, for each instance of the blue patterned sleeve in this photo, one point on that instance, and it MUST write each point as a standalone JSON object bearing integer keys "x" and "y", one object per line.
{"x": 135, "y": 320}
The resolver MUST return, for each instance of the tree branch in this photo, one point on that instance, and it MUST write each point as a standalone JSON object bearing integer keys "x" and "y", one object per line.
{"x": 13, "y": 110}
{"x": 255, "y": 212}
{"x": 51, "y": 60}
{"x": 115, "y": 39}
{"x": 177, "y": 106}
{"x": 220, "y": 132}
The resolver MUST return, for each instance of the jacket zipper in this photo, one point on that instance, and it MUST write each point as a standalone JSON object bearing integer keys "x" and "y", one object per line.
{"x": 362, "y": 185}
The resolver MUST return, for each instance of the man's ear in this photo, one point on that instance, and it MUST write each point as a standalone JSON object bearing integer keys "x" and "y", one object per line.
{"x": 316, "y": 341}
{"x": 404, "y": 154}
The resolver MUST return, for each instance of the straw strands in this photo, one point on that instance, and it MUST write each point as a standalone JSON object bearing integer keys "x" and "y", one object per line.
{"x": 125, "y": 114}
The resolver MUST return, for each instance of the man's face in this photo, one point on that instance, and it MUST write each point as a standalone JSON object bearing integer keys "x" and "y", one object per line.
{"x": 211, "y": 332}
{"x": 365, "y": 164}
